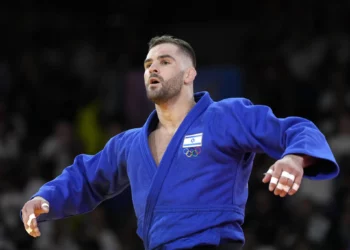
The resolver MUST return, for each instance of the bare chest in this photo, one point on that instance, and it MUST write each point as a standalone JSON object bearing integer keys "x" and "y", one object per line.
{"x": 158, "y": 143}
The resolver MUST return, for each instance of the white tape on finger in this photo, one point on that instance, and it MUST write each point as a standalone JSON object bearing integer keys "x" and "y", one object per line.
{"x": 44, "y": 206}
{"x": 29, "y": 230}
{"x": 295, "y": 187}
{"x": 288, "y": 175}
{"x": 270, "y": 171}
{"x": 286, "y": 188}
{"x": 31, "y": 217}
{"x": 274, "y": 180}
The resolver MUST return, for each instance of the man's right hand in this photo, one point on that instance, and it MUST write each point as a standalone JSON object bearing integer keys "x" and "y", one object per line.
{"x": 30, "y": 211}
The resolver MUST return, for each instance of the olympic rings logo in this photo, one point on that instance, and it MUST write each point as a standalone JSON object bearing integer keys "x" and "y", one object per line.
{"x": 192, "y": 152}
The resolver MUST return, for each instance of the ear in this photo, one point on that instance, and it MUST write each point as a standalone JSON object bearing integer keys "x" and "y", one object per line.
{"x": 190, "y": 75}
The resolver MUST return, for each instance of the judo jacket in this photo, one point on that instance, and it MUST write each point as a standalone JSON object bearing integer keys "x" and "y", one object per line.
{"x": 198, "y": 192}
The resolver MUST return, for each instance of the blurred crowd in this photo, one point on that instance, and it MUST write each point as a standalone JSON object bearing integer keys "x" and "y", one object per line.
{"x": 62, "y": 93}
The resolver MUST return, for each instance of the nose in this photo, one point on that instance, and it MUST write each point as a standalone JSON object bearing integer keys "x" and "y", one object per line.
{"x": 153, "y": 68}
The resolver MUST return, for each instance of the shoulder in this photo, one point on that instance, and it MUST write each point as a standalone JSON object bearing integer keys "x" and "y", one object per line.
{"x": 126, "y": 136}
{"x": 234, "y": 103}
{"x": 224, "y": 112}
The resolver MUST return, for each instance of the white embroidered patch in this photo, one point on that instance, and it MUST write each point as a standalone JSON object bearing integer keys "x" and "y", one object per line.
{"x": 191, "y": 141}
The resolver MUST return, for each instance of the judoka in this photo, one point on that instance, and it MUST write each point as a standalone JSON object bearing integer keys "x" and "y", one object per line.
{"x": 189, "y": 165}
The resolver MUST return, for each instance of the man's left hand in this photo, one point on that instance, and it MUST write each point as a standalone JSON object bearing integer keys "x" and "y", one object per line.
{"x": 285, "y": 175}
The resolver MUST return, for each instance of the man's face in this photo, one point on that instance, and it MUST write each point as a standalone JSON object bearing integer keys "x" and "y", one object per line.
{"x": 164, "y": 72}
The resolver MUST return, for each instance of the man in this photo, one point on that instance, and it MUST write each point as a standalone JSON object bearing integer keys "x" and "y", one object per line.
{"x": 189, "y": 165}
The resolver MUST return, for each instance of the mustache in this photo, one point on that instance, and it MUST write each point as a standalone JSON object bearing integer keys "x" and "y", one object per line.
{"x": 155, "y": 76}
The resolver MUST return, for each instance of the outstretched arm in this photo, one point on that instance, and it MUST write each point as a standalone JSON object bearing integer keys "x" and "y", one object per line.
{"x": 82, "y": 186}
{"x": 296, "y": 143}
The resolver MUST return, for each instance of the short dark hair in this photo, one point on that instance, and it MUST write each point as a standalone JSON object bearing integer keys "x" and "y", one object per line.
{"x": 184, "y": 46}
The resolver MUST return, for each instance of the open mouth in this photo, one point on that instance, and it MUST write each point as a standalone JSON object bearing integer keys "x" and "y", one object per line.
{"x": 154, "y": 81}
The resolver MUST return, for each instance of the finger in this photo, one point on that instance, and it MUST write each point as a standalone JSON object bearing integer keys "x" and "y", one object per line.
{"x": 31, "y": 222}
{"x": 268, "y": 175}
{"x": 274, "y": 179}
{"x": 281, "y": 190}
{"x": 289, "y": 178}
{"x": 41, "y": 208}
{"x": 284, "y": 183}
{"x": 34, "y": 232}
{"x": 37, "y": 232}
{"x": 30, "y": 231}
{"x": 296, "y": 185}
{"x": 30, "y": 219}
{"x": 278, "y": 189}
{"x": 44, "y": 208}
{"x": 34, "y": 223}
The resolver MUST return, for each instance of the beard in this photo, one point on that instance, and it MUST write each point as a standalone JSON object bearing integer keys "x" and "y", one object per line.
{"x": 168, "y": 89}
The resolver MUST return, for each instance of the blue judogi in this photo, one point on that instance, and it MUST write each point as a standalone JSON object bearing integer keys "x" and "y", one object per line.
{"x": 198, "y": 192}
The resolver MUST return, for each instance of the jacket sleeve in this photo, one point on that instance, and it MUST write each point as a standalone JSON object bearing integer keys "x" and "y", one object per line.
{"x": 255, "y": 128}
{"x": 91, "y": 179}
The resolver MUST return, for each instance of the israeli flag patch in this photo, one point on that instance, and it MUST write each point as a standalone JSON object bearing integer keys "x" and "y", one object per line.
{"x": 192, "y": 141}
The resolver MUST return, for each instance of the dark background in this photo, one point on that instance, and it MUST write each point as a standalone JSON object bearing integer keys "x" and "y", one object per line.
{"x": 72, "y": 76}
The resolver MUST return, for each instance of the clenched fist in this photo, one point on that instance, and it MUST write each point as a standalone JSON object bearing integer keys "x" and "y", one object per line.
{"x": 30, "y": 211}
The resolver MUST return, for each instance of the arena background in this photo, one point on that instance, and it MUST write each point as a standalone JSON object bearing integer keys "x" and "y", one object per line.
{"x": 71, "y": 77}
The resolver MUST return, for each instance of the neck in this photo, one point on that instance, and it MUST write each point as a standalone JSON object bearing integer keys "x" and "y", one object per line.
{"x": 174, "y": 111}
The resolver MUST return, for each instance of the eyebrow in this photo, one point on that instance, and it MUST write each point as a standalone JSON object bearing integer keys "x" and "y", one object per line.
{"x": 160, "y": 57}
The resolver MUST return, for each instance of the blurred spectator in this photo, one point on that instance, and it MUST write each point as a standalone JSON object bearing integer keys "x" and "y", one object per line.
{"x": 340, "y": 142}
{"x": 59, "y": 149}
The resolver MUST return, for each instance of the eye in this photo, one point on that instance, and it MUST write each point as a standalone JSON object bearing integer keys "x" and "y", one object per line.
{"x": 165, "y": 62}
